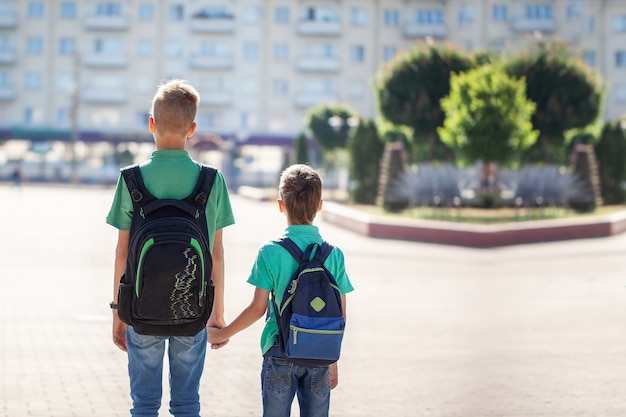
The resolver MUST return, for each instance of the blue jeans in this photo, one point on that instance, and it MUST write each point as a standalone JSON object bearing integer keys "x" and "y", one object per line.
{"x": 281, "y": 380}
{"x": 145, "y": 369}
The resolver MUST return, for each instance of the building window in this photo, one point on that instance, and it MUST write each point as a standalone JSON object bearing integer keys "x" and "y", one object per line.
{"x": 574, "y": 9}
{"x": 619, "y": 23}
{"x": 145, "y": 12}
{"x": 174, "y": 48}
{"x": 280, "y": 87}
{"x": 358, "y": 16}
{"x": 29, "y": 116}
{"x": 467, "y": 14}
{"x": 65, "y": 81}
{"x": 145, "y": 47}
{"x": 107, "y": 46}
{"x": 357, "y": 53}
{"x": 108, "y": 9}
{"x": 538, "y": 11}
{"x": 67, "y": 46}
{"x": 389, "y": 52}
{"x": 321, "y": 14}
{"x": 63, "y": 117}
{"x": 620, "y": 59}
{"x": 33, "y": 81}
{"x": 209, "y": 48}
{"x": 620, "y": 93}
{"x": 591, "y": 25}
{"x": 319, "y": 50}
{"x": 252, "y": 14}
{"x": 207, "y": 120}
{"x": 281, "y": 51}
{"x": 67, "y": 10}
{"x": 251, "y": 51}
{"x": 176, "y": 12}
{"x": 430, "y": 17}
{"x": 391, "y": 18}
{"x": 244, "y": 121}
{"x": 36, "y": 9}
{"x": 356, "y": 89}
{"x": 281, "y": 15}
{"x": 499, "y": 12}
{"x": 589, "y": 58}
{"x": 34, "y": 45}
{"x": 141, "y": 119}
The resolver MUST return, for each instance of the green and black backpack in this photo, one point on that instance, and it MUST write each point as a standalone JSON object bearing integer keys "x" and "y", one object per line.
{"x": 166, "y": 289}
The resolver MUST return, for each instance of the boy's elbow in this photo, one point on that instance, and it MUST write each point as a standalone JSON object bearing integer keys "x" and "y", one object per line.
{"x": 258, "y": 310}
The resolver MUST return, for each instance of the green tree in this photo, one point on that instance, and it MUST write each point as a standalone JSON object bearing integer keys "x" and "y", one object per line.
{"x": 301, "y": 149}
{"x": 410, "y": 87}
{"x": 610, "y": 154}
{"x": 330, "y": 125}
{"x": 366, "y": 149}
{"x": 488, "y": 117}
{"x": 567, "y": 93}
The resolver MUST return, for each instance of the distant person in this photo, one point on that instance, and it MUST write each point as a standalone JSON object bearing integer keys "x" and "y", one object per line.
{"x": 300, "y": 198}
{"x": 169, "y": 173}
{"x": 17, "y": 176}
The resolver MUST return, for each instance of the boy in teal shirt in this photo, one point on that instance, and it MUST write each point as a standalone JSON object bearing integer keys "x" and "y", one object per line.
{"x": 169, "y": 173}
{"x": 300, "y": 198}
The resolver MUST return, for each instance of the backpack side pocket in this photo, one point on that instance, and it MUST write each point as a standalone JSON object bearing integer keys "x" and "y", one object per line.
{"x": 125, "y": 301}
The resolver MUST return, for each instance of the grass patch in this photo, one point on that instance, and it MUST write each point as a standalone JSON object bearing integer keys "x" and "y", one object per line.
{"x": 486, "y": 216}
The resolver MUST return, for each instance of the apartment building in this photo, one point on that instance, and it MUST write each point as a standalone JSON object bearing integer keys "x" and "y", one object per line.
{"x": 258, "y": 64}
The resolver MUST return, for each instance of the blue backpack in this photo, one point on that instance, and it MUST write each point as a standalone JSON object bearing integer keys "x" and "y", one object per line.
{"x": 310, "y": 316}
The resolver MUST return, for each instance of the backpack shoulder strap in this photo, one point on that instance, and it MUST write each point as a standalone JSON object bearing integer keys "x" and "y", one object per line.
{"x": 202, "y": 190}
{"x": 136, "y": 186}
{"x": 323, "y": 252}
{"x": 291, "y": 247}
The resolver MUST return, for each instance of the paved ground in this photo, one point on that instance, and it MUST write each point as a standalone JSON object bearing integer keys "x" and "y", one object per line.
{"x": 433, "y": 330}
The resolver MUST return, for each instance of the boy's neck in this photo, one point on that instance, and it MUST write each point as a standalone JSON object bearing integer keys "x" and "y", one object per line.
{"x": 170, "y": 143}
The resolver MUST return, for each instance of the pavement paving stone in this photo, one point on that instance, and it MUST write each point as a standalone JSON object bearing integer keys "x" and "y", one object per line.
{"x": 521, "y": 331}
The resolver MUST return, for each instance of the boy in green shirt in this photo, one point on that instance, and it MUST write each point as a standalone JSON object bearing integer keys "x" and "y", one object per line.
{"x": 300, "y": 198}
{"x": 169, "y": 173}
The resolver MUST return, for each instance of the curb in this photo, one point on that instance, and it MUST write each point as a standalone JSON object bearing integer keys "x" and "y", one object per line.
{"x": 472, "y": 235}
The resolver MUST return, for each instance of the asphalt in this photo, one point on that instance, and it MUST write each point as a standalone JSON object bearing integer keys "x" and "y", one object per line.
{"x": 433, "y": 330}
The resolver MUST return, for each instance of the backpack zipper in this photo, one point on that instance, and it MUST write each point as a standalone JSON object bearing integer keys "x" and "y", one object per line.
{"x": 296, "y": 329}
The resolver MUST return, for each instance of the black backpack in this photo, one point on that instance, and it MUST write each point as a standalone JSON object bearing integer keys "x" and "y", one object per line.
{"x": 166, "y": 289}
{"x": 310, "y": 316}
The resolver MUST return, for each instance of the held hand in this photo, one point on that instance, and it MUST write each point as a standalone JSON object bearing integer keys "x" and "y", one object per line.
{"x": 119, "y": 332}
{"x": 333, "y": 371}
{"x": 216, "y": 338}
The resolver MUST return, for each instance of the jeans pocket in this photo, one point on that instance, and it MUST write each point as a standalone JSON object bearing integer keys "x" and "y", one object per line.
{"x": 276, "y": 375}
{"x": 320, "y": 382}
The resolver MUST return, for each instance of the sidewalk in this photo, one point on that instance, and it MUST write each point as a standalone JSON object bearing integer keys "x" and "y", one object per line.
{"x": 433, "y": 330}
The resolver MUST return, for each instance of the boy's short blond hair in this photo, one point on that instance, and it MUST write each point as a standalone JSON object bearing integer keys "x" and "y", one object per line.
{"x": 300, "y": 190}
{"x": 174, "y": 107}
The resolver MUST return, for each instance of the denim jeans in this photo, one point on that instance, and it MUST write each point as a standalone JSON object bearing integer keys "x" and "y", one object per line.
{"x": 145, "y": 368}
{"x": 281, "y": 380}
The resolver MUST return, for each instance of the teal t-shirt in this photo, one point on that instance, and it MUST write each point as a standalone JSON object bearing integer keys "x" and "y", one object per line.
{"x": 274, "y": 267}
{"x": 173, "y": 174}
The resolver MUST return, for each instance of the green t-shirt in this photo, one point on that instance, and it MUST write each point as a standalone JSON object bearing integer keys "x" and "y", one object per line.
{"x": 173, "y": 174}
{"x": 274, "y": 267}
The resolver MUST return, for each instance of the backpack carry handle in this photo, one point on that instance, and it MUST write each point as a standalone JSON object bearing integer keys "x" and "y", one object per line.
{"x": 159, "y": 204}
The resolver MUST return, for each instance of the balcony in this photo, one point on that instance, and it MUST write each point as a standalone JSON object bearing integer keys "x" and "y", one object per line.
{"x": 106, "y": 22}
{"x": 216, "y": 98}
{"x": 212, "y": 62}
{"x": 105, "y": 60}
{"x": 103, "y": 95}
{"x": 305, "y": 99}
{"x": 318, "y": 64}
{"x": 213, "y": 25}
{"x": 319, "y": 27}
{"x": 8, "y": 20}
{"x": 7, "y": 93}
{"x": 8, "y": 56}
{"x": 421, "y": 30}
{"x": 524, "y": 24}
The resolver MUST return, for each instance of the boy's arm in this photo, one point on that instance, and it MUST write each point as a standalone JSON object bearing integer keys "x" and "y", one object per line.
{"x": 334, "y": 368}
{"x": 121, "y": 253}
{"x": 256, "y": 310}
{"x": 217, "y": 276}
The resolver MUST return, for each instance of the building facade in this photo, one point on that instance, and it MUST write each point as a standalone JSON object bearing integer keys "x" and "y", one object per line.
{"x": 93, "y": 65}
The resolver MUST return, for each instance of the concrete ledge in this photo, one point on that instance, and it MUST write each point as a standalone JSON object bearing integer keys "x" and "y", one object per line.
{"x": 472, "y": 235}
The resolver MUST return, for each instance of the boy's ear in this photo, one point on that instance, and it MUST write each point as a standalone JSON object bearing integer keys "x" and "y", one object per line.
{"x": 281, "y": 205}
{"x": 192, "y": 130}
{"x": 319, "y": 208}
{"x": 151, "y": 125}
